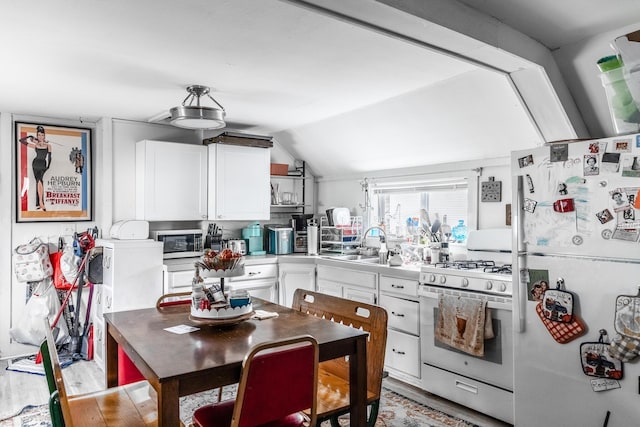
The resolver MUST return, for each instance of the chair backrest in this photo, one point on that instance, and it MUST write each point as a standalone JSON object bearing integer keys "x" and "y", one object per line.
{"x": 278, "y": 379}
{"x": 52, "y": 368}
{"x": 359, "y": 315}
{"x": 171, "y": 300}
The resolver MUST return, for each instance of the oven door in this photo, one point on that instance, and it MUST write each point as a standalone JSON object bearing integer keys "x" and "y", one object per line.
{"x": 496, "y": 366}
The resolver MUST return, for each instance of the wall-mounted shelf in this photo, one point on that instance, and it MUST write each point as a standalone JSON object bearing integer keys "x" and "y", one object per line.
{"x": 288, "y": 192}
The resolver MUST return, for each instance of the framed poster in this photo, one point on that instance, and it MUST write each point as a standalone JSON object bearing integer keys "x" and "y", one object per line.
{"x": 53, "y": 173}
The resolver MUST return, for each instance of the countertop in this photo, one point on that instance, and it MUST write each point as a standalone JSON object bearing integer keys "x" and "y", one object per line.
{"x": 407, "y": 271}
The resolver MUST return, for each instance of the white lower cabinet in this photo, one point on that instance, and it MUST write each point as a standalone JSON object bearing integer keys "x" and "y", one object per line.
{"x": 260, "y": 280}
{"x": 399, "y": 296}
{"x": 330, "y": 288}
{"x": 294, "y": 276}
{"x": 346, "y": 283}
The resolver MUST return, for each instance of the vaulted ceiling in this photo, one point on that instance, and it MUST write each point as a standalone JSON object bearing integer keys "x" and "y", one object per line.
{"x": 345, "y": 97}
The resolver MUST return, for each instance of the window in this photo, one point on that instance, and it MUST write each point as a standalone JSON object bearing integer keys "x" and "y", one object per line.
{"x": 397, "y": 204}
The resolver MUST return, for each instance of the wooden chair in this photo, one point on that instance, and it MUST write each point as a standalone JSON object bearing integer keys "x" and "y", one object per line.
{"x": 167, "y": 301}
{"x": 133, "y": 405}
{"x": 333, "y": 375}
{"x": 279, "y": 380}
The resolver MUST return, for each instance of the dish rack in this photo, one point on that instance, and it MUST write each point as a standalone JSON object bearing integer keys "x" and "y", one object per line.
{"x": 342, "y": 239}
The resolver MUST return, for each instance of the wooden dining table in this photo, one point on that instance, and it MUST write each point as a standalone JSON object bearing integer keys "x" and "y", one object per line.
{"x": 182, "y": 364}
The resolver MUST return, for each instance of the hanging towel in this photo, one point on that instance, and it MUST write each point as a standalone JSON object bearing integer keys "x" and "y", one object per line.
{"x": 461, "y": 323}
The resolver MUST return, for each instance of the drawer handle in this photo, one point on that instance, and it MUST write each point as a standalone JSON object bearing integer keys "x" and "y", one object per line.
{"x": 397, "y": 351}
{"x": 253, "y": 273}
{"x": 466, "y": 387}
{"x": 397, "y": 314}
{"x": 393, "y": 285}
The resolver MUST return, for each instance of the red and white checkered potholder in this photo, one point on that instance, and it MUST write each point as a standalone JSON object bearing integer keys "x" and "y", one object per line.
{"x": 562, "y": 332}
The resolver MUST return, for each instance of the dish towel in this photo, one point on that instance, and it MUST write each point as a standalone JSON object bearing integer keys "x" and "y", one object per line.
{"x": 262, "y": 314}
{"x": 461, "y": 323}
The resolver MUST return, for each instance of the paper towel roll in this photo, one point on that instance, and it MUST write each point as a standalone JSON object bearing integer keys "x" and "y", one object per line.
{"x": 312, "y": 240}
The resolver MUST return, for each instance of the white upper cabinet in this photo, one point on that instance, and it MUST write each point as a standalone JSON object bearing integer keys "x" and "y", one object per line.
{"x": 171, "y": 181}
{"x": 239, "y": 182}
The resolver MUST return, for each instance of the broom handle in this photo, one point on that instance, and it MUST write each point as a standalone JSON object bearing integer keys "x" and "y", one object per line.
{"x": 69, "y": 292}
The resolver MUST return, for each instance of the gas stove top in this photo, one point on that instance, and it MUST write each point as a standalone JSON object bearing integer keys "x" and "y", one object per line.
{"x": 484, "y": 276}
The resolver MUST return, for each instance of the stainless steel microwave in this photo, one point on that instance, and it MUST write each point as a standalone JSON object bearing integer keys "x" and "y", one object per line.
{"x": 180, "y": 243}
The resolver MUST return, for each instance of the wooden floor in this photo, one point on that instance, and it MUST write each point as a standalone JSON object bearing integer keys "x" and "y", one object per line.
{"x": 18, "y": 389}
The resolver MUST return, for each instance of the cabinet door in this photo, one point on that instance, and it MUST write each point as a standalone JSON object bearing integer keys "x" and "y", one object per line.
{"x": 171, "y": 181}
{"x": 294, "y": 276}
{"x": 240, "y": 181}
{"x": 360, "y": 295}
{"x": 330, "y": 288}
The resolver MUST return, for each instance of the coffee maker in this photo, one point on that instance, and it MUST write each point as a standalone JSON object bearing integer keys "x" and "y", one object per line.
{"x": 299, "y": 225}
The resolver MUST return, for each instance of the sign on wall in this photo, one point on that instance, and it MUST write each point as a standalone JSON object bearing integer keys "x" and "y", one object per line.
{"x": 53, "y": 173}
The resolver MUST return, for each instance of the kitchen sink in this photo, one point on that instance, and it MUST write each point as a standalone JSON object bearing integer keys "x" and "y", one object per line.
{"x": 357, "y": 258}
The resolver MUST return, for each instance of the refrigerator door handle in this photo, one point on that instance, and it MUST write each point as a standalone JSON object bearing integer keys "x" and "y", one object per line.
{"x": 519, "y": 288}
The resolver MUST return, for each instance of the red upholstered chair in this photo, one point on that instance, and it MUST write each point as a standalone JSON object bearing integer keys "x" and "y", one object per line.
{"x": 279, "y": 380}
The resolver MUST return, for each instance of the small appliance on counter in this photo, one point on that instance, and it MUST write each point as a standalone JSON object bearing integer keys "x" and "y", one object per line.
{"x": 236, "y": 245}
{"x": 299, "y": 224}
{"x": 180, "y": 243}
{"x": 279, "y": 239}
{"x": 130, "y": 229}
{"x": 253, "y": 235}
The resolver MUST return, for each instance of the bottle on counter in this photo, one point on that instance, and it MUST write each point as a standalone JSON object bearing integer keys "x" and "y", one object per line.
{"x": 445, "y": 229}
{"x": 197, "y": 289}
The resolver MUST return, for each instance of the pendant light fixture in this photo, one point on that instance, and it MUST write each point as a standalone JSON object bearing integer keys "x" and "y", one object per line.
{"x": 191, "y": 116}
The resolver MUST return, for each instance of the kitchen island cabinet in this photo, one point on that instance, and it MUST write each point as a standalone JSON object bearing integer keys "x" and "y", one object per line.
{"x": 171, "y": 182}
{"x": 238, "y": 182}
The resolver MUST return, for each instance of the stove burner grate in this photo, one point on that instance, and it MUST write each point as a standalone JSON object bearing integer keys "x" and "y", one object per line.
{"x": 501, "y": 269}
{"x": 465, "y": 264}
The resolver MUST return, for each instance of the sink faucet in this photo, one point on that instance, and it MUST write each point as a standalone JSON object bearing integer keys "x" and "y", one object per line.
{"x": 383, "y": 242}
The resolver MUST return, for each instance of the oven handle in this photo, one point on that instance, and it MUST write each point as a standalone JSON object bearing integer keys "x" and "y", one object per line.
{"x": 498, "y": 305}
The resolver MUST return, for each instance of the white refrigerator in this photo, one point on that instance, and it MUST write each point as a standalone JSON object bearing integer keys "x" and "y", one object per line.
{"x": 576, "y": 217}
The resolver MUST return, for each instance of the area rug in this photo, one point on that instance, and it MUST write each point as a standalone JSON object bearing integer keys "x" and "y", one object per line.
{"x": 395, "y": 411}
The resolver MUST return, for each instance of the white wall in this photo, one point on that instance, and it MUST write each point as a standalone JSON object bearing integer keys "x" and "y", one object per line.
{"x": 347, "y": 191}
{"x": 114, "y": 199}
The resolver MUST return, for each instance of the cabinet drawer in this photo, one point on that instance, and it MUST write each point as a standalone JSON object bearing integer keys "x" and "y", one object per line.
{"x": 399, "y": 286}
{"x": 403, "y": 353}
{"x": 258, "y": 271}
{"x": 362, "y": 279}
{"x": 181, "y": 281}
{"x": 404, "y": 315}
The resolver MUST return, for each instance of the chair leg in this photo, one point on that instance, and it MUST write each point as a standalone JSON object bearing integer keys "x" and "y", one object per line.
{"x": 373, "y": 413}
{"x": 374, "y": 407}
{"x": 55, "y": 410}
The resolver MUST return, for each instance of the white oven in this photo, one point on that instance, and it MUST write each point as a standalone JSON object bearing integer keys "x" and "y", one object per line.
{"x": 483, "y": 383}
